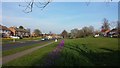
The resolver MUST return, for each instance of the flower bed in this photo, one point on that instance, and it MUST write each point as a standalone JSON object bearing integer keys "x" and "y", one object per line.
{"x": 52, "y": 56}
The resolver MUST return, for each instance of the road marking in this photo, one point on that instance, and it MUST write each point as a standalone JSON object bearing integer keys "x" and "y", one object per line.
{"x": 20, "y": 54}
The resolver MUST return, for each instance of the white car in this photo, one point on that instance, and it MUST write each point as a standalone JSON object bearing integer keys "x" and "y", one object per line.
{"x": 15, "y": 37}
{"x": 42, "y": 39}
{"x": 97, "y": 35}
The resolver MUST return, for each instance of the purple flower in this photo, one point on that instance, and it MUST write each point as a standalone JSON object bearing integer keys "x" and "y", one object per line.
{"x": 54, "y": 54}
{"x": 61, "y": 43}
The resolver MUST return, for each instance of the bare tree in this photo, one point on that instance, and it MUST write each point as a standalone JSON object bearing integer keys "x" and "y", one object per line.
{"x": 81, "y": 33}
{"x": 74, "y": 33}
{"x": 29, "y": 5}
{"x": 85, "y": 31}
{"x": 106, "y": 25}
{"x": 91, "y": 30}
{"x": 37, "y": 32}
{"x": 64, "y": 34}
{"x": 97, "y": 32}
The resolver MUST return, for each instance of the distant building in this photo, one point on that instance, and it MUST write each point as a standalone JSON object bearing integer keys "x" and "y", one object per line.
{"x": 33, "y": 34}
{"x": 19, "y": 32}
{"x": 110, "y": 33}
{"x": 113, "y": 33}
{"x": 51, "y": 36}
{"x": 105, "y": 32}
{"x": 4, "y": 31}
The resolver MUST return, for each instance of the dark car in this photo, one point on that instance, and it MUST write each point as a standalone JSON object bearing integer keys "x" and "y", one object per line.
{"x": 43, "y": 39}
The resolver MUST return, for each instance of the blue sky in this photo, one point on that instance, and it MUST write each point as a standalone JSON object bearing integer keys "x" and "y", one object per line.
{"x": 58, "y": 16}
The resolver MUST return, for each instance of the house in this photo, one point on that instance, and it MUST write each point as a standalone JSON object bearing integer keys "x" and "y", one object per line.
{"x": 19, "y": 32}
{"x": 4, "y": 31}
{"x": 34, "y": 35}
{"x": 110, "y": 33}
{"x": 56, "y": 36}
{"x": 113, "y": 33}
{"x": 105, "y": 32}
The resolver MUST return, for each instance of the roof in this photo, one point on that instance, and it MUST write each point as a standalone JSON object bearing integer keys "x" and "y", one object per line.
{"x": 3, "y": 27}
{"x": 114, "y": 30}
{"x": 107, "y": 31}
{"x": 19, "y": 30}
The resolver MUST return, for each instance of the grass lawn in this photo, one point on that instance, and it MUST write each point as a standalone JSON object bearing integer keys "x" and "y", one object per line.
{"x": 76, "y": 52}
{"x": 96, "y": 44}
{"x": 90, "y": 52}
{"x": 15, "y": 50}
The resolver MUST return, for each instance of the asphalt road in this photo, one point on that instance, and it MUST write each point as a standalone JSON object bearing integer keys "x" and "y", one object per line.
{"x": 8, "y": 58}
{"x": 21, "y": 44}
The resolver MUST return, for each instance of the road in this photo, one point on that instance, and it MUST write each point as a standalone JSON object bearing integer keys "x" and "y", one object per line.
{"x": 8, "y": 58}
{"x": 21, "y": 44}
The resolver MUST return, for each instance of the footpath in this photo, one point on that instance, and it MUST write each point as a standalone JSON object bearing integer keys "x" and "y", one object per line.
{"x": 8, "y": 58}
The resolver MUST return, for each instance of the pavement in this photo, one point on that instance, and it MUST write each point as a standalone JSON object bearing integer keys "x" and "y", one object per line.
{"x": 8, "y": 58}
{"x": 20, "y": 44}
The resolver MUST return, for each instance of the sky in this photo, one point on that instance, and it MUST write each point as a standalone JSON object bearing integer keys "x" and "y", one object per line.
{"x": 59, "y": 16}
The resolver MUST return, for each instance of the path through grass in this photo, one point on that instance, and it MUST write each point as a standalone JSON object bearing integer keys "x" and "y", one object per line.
{"x": 76, "y": 52}
{"x": 15, "y": 50}
{"x": 30, "y": 59}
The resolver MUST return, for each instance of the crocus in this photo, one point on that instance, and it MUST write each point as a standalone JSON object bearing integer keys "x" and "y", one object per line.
{"x": 54, "y": 54}
{"x": 61, "y": 43}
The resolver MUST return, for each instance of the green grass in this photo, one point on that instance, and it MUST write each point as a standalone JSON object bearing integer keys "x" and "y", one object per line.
{"x": 88, "y": 52}
{"x": 30, "y": 59}
{"x": 15, "y": 50}
{"x": 76, "y": 52}
{"x": 95, "y": 43}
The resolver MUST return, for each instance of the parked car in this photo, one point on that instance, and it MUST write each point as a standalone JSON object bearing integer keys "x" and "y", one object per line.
{"x": 20, "y": 37}
{"x": 97, "y": 35}
{"x": 15, "y": 37}
{"x": 43, "y": 39}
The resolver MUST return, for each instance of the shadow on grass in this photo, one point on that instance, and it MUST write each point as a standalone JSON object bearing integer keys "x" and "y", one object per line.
{"x": 47, "y": 60}
{"x": 105, "y": 58}
{"x": 110, "y": 58}
{"x": 107, "y": 49}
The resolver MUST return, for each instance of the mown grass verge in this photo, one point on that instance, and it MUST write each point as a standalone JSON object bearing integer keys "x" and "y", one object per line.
{"x": 15, "y": 50}
{"x": 87, "y": 52}
{"x": 76, "y": 52}
{"x": 30, "y": 59}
